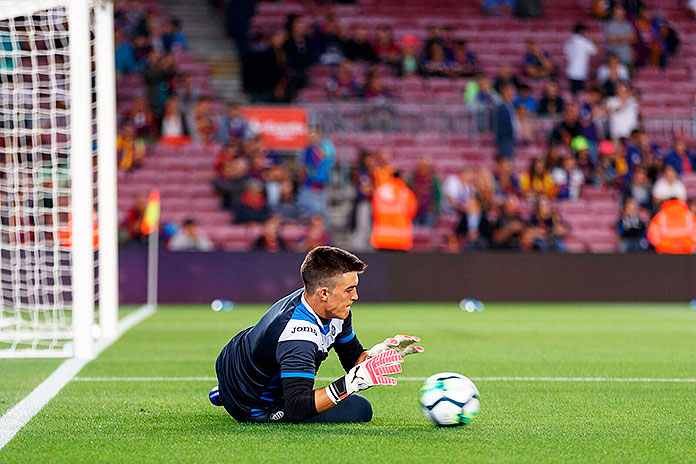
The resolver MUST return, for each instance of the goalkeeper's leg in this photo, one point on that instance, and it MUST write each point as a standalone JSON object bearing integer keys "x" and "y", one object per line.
{"x": 355, "y": 408}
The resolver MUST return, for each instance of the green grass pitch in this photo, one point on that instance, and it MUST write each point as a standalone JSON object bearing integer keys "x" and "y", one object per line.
{"x": 519, "y": 421}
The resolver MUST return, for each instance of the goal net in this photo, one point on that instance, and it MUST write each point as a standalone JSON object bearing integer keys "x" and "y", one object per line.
{"x": 50, "y": 209}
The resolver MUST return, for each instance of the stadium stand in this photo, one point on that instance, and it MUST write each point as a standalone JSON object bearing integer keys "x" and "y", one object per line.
{"x": 426, "y": 115}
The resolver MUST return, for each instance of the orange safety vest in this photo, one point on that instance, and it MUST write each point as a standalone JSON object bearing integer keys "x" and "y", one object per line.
{"x": 393, "y": 208}
{"x": 673, "y": 229}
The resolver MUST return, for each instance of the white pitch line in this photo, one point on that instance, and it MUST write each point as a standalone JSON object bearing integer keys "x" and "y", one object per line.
{"x": 21, "y": 413}
{"x": 414, "y": 379}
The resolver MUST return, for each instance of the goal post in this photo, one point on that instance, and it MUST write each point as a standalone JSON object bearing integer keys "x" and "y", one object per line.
{"x": 58, "y": 217}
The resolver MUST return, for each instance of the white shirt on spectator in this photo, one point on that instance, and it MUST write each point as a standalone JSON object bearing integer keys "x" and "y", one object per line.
{"x": 574, "y": 180}
{"x": 603, "y": 73}
{"x": 578, "y": 50}
{"x": 172, "y": 126}
{"x": 623, "y": 116}
{"x": 663, "y": 190}
{"x": 455, "y": 190}
{"x": 182, "y": 241}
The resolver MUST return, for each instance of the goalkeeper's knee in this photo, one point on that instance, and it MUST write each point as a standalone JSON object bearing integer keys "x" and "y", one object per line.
{"x": 360, "y": 408}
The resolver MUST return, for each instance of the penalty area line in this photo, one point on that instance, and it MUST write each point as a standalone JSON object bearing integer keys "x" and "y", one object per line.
{"x": 21, "y": 413}
{"x": 414, "y": 379}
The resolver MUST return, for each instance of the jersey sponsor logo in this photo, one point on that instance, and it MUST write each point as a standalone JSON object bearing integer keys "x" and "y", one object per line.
{"x": 276, "y": 416}
{"x": 303, "y": 329}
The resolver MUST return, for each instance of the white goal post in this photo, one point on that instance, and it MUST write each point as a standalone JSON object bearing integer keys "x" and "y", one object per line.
{"x": 58, "y": 216}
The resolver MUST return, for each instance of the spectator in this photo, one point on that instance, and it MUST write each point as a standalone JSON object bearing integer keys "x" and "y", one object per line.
{"x": 270, "y": 240}
{"x": 632, "y": 230}
{"x": 361, "y": 217}
{"x": 299, "y": 55}
{"x": 499, "y": 7}
{"x": 578, "y": 51}
{"x": 569, "y": 128}
{"x": 623, "y": 112}
{"x": 435, "y": 62}
{"x": 235, "y": 126}
{"x": 173, "y": 39}
{"x": 434, "y": 37}
{"x": 585, "y": 163}
{"x": 206, "y": 127}
{"x": 190, "y": 238}
{"x": 551, "y": 103}
{"x": 131, "y": 227}
{"x": 509, "y": 226}
{"x": 374, "y": 90}
{"x": 553, "y": 157}
{"x": 126, "y": 61}
{"x": 473, "y": 230}
{"x": 485, "y": 188}
{"x": 463, "y": 62}
{"x": 537, "y": 181}
{"x": 526, "y": 100}
{"x": 384, "y": 169}
{"x": 506, "y": 123}
{"x": 342, "y": 85}
{"x": 457, "y": 190}
{"x": 330, "y": 37}
{"x": 673, "y": 229}
{"x": 537, "y": 62}
{"x": 568, "y": 179}
{"x": 593, "y": 118}
{"x": 188, "y": 93}
{"x": 142, "y": 119}
{"x": 409, "y": 63}
{"x": 668, "y": 186}
{"x": 425, "y": 185}
{"x": 621, "y": 36}
{"x": 228, "y": 153}
{"x": 316, "y": 234}
{"x": 610, "y": 167}
{"x": 287, "y": 207}
{"x": 175, "y": 128}
{"x": 251, "y": 205}
{"x": 232, "y": 181}
{"x": 265, "y": 72}
{"x": 393, "y": 208}
{"x": 505, "y": 180}
{"x": 130, "y": 150}
{"x": 681, "y": 159}
{"x": 158, "y": 74}
{"x": 691, "y": 8}
{"x": 506, "y": 76}
{"x": 547, "y": 228}
{"x": 386, "y": 50}
{"x": 318, "y": 161}
{"x": 640, "y": 189}
{"x": 359, "y": 47}
{"x": 610, "y": 74}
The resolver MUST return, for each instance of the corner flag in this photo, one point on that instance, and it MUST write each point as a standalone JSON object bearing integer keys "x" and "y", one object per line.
{"x": 152, "y": 212}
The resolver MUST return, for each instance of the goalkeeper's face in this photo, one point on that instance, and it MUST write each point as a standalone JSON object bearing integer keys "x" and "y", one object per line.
{"x": 343, "y": 295}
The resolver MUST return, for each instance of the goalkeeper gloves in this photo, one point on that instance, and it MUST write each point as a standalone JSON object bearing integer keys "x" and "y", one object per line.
{"x": 402, "y": 344}
{"x": 367, "y": 374}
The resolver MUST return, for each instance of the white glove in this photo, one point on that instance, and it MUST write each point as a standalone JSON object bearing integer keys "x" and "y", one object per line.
{"x": 371, "y": 372}
{"x": 402, "y": 344}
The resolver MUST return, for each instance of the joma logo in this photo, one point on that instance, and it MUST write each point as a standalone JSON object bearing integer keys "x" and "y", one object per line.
{"x": 303, "y": 329}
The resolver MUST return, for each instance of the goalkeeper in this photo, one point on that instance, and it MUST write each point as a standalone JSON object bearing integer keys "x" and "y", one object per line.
{"x": 266, "y": 372}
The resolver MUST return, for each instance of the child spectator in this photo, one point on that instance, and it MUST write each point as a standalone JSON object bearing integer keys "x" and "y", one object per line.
{"x": 270, "y": 240}
{"x": 190, "y": 238}
{"x": 537, "y": 181}
{"x": 130, "y": 150}
{"x": 425, "y": 185}
{"x": 537, "y": 62}
{"x": 632, "y": 230}
{"x": 551, "y": 103}
{"x": 568, "y": 179}
{"x": 578, "y": 51}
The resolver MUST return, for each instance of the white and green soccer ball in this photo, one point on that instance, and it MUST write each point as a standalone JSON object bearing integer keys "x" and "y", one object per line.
{"x": 449, "y": 399}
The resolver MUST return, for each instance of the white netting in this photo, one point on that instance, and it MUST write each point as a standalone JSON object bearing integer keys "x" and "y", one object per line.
{"x": 35, "y": 262}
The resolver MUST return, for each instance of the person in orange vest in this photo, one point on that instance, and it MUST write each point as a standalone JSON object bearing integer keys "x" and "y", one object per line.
{"x": 393, "y": 209}
{"x": 673, "y": 229}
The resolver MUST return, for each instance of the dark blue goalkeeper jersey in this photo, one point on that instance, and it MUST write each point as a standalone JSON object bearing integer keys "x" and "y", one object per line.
{"x": 290, "y": 341}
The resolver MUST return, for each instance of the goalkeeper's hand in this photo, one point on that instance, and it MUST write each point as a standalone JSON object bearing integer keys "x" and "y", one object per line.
{"x": 402, "y": 344}
{"x": 371, "y": 372}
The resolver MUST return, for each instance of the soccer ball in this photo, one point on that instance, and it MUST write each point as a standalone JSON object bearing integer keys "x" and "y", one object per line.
{"x": 449, "y": 399}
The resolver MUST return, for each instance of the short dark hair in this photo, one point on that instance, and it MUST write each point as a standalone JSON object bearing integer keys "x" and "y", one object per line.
{"x": 324, "y": 264}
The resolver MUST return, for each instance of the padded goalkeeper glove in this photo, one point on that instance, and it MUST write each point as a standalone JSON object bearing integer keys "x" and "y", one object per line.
{"x": 371, "y": 372}
{"x": 402, "y": 344}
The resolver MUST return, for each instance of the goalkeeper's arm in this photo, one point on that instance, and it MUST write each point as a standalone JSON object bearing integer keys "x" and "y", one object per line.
{"x": 302, "y": 402}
